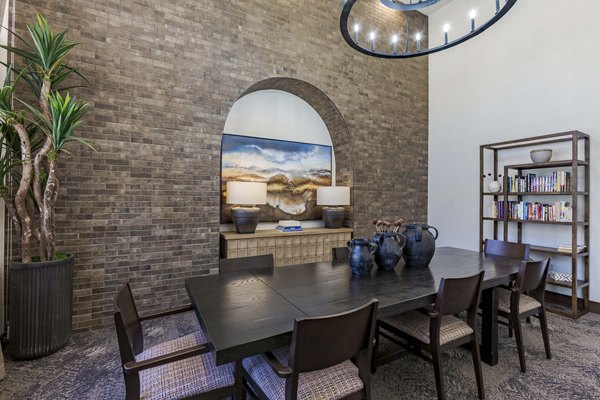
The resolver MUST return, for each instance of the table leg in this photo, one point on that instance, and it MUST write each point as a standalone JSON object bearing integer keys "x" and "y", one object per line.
{"x": 489, "y": 327}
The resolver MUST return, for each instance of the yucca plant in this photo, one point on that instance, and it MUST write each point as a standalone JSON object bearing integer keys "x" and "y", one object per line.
{"x": 35, "y": 135}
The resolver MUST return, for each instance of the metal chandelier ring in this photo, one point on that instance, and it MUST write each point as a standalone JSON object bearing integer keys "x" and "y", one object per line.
{"x": 408, "y": 7}
{"x": 348, "y": 38}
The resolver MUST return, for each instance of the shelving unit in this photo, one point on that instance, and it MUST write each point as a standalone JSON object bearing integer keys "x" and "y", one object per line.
{"x": 579, "y": 167}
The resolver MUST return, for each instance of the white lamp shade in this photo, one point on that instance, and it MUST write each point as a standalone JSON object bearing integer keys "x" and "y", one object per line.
{"x": 246, "y": 193}
{"x": 333, "y": 196}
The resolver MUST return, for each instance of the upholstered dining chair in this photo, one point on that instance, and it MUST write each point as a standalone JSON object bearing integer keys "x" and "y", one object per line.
{"x": 329, "y": 358}
{"x": 252, "y": 263}
{"x": 436, "y": 329}
{"x": 178, "y": 369}
{"x": 508, "y": 249}
{"x": 339, "y": 254}
{"x": 526, "y": 299}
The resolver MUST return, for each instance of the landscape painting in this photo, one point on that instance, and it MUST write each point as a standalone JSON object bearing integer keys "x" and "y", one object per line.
{"x": 292, "y": 171}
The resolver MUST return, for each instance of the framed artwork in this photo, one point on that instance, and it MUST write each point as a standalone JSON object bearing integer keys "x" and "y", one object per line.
{"x": 292, "y": 171}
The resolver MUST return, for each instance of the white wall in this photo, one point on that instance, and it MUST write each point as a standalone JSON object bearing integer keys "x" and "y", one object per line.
{"x": 275, "y": 114}
{"x": 537, "y": 71}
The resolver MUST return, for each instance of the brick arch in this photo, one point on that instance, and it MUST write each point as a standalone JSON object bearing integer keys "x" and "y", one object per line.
{"x": 332, "y": 117}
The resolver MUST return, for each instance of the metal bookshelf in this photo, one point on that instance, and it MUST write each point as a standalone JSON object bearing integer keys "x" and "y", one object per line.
{"x": 579, "y": 167}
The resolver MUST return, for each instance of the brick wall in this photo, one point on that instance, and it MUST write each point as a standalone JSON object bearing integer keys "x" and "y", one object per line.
{"x": 163, "y": 76}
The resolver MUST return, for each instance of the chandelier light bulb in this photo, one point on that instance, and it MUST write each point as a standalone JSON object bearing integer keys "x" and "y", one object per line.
{"x": 356, "y": 28}
{"x": 395, "y": 39}
{"x": 473, "y": 14}
{"x": 446, "y": 28}
{"x": 372, "y": 35}
{"x": 418, "y": 37}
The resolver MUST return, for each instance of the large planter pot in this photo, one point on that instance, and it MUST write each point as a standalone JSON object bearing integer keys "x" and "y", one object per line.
{"x": 40, "y": 307}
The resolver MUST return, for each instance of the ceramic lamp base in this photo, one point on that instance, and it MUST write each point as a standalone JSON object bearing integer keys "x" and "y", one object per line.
{"x": 245, "y": 219}
{"x": 333, "y": 217}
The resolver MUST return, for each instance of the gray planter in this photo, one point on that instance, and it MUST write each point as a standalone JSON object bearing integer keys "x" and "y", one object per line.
{"x": 40, "y": 307}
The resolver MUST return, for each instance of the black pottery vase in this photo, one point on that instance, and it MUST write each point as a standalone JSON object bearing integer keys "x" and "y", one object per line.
{"x": 389, "y": 250}
{"x": 361, "y": 256}
{"x": 420, "y": 244}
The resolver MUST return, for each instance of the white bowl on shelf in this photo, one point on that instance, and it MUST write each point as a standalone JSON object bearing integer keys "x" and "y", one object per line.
{"x": 540, "y": 155}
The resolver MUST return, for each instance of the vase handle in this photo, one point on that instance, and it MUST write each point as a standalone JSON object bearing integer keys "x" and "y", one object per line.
{"x": 398, "y": 236}
{"x": 350, "y": 245}
{"x": 436, "y": 232}
{"x": 373, "y": 247}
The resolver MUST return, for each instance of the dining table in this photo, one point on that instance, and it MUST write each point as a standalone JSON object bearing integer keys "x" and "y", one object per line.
{"x": 250, "y": 312}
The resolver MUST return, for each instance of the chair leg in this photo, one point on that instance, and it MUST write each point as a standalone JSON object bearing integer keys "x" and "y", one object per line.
{"x": 375, "y": 352}
{"x": 519, "y": 339}
{"x": 240, "y": 393}
{"x": 544, "y": 325}
{"x": 528, "y": 319}
{"x": 477, "y": 366}
{"x": 510, "y": 329}
{"x": 437, "y": 369}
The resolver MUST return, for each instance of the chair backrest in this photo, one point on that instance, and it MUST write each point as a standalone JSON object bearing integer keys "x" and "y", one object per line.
{"x": 532, "y": 276}
{"x": 323, "y": 342}
{"x": 340, "y": 253}
{"x": 227, "y": 265}
{"x": 127, "y": 323}
{"x": 507, "y": 249}
{"x": 456, "y": 295}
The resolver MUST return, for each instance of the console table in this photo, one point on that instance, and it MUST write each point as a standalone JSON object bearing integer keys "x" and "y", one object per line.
{"x": 288, "y": 248}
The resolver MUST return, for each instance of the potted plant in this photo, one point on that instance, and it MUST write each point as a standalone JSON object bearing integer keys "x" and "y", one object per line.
{"x": 35, "y": 134}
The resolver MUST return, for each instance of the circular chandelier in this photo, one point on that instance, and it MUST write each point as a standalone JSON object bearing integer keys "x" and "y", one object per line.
{"x": 406, "y": 41}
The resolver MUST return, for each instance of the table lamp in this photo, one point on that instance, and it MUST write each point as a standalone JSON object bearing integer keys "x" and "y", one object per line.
{"x": 333, "y": 197}
{"x": 250, "y": 194}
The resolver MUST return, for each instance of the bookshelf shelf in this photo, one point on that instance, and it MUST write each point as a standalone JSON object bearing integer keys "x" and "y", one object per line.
{"x": 575, "y": 201}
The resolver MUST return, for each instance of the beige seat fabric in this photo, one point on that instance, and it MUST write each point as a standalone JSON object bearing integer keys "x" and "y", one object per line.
{"x": 526, "y": 303}
{"x": 416, "y": 324}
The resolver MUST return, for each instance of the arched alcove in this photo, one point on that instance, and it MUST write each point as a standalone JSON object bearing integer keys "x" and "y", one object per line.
{"x": 329, "y": 114}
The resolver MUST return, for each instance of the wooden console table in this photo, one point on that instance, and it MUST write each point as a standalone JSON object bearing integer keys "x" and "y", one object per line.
{"x": 288, "y": 248}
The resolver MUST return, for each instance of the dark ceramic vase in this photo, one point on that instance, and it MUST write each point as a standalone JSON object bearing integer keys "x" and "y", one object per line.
{"x": 420, "y": 244}
{"x": 361, "y": 256}
{"x": 389, "y": 250}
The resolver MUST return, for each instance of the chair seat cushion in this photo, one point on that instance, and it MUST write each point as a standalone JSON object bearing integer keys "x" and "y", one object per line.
{"x": 326, "y": 384}
{"x": 185, "y": 378}
{"x": 526, "y": 303}
{"x": 416, "y": 324}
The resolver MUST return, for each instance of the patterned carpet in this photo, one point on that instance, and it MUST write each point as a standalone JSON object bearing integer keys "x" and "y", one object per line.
{"x": 88, "y": 368}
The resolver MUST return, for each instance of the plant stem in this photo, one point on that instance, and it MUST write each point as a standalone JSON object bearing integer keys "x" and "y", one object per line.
{"x": 21, "y": 196}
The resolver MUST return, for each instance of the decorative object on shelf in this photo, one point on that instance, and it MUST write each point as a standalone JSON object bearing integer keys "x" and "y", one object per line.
{"x": 420, "y": 244}
{"x": 292, "y": 170}
{"x": 361, "y": 256}
{"x": 568, "y": 249}
{"x": 333, "y": 198}
{"x": 250, "y": 194}
{"x": 494, "y": 186}
{"x": 540, "y": 155}
{"x": 560, "y": 276}
{"x": 403, "y": 18}
{"x": 36, "y": 134}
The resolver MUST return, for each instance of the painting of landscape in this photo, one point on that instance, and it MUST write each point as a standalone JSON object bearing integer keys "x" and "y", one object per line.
{"x": 292, "y": 171}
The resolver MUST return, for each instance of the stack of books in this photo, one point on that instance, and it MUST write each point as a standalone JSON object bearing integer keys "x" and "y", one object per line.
{"x": 567, "y": 248}
{"x": 289, "y": 226}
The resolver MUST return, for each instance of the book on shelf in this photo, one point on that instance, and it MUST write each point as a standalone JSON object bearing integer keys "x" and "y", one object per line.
{"x": 558, "y": 181}
{"x": 559, "y": 211}
{"x": 288, "y": 222}
{"x": 289, "y": 228}
{"x": 567, "y": 248}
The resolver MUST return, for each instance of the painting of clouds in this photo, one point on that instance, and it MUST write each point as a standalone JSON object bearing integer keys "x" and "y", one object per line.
{"x": 292, "y": 171}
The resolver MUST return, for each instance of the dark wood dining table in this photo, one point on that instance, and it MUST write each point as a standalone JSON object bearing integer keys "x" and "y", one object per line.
{"x": 246, "y": 313}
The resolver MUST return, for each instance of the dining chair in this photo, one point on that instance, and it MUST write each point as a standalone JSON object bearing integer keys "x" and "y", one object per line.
{"x": 339, "y": 254}
{"x": 436, "y": 329}
{"x": 329, "y": 358}
{"x": 507, "y": 249}
{"x": 526, "y": 299}
{"x": 252, "y": 263}
{"x": 177, "y": 369}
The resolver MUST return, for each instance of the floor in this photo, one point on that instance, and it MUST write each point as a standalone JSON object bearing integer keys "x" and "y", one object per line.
{"x": 88, "y": 367}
